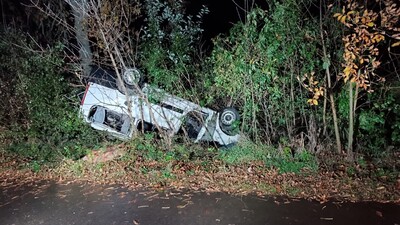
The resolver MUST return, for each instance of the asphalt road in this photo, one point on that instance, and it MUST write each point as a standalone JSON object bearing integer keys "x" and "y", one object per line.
{"x": 52, "y": 203}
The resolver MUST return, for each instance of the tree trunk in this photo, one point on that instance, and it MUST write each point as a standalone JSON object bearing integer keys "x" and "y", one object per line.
{"x": 351, "y": 122}
{"x": 328, "y": 77}
{"x": 335, "y": 120}
{"x": 79, "y": 10}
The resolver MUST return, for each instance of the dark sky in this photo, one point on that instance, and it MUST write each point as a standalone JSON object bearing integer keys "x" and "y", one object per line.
{"x": 223, "y": 13}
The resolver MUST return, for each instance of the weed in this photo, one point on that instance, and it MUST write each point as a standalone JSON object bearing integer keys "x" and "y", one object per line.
{"x": 148, "y": 149}
{"x": 76, "y": 168}
{"x": 144, "y": 170}
{"x": 300, "y": 162}
{"x": 167, "y": 174}
{"x": 245, "y": 152}
{"x": 35, "y": 166}
{"x": 99, "y": 167}
{"x": 292, "y": 191}
{"x": 249, "y": 152}
{"x": 189, "y": 172}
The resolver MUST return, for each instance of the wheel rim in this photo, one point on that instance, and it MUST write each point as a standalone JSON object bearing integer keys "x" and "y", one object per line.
{"x": 228, "y": 118}
{"x": 131, "y": 76}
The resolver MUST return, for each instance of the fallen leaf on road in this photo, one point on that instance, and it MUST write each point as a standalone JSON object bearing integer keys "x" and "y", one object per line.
{"x": 150, "y": 197}
{"x": 326, "y": 218}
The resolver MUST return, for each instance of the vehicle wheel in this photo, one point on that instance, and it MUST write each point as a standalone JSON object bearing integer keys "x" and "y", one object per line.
{"x": 229, "y": 119}
{"x": 132, "y": 76}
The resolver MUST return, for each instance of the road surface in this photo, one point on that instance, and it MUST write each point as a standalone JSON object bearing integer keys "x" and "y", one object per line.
{"x": 76, "y": 203}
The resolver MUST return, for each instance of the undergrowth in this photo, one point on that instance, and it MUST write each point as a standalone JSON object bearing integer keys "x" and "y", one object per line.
{"x": 285, "y": 161}
{"x": 39, "y": 117}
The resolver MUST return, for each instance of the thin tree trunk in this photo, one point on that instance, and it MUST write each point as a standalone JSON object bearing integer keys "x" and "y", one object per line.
{"x": 324, "y": 117}
{"x": 355, "y": 100}
{"x": 331, "y": 97}
{"x": 335, "y": 121}
{"x": 79, "y": 8}
{"x": 351, "y": 122}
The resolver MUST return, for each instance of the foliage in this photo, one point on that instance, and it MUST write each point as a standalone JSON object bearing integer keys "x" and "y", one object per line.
{"x": 269, "y": 66}
{"x": 44, "y": 124}
{"x": 312, "y": 85}
{"x": 343, "y": 110}
{"x": 168, "y": 47}
{"x": 259, "y": 65}
{"x": 248, "y": 153}
{"x": 12, "y": 102}
{"x": 379, "y": 123}
{"x": 366, "y": 30}
{"x": 361, "y": 44}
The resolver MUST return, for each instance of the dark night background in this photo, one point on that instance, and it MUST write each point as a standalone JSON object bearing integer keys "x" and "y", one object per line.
{"x": 223, "y": 14}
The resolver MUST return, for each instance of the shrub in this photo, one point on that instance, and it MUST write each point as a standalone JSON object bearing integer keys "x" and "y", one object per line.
{"x": 43, "y": 123}
{"x": 260, "y": 66}
{"x": 379, "y": 123}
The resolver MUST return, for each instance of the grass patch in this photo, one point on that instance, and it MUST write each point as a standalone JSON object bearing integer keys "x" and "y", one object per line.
{"x": 284, "y": 161}
{"x": 245, "y": 152}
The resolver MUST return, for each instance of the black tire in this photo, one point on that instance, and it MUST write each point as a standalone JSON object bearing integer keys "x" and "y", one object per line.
{"x": 229, "y": 120}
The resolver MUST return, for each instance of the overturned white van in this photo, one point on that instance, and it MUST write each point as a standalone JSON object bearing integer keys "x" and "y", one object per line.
{"x": 108, "y": 109}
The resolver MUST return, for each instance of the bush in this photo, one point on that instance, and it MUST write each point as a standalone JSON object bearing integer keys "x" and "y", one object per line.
{"x": 43, "y": 123}
{"x": 260, "y": 66}
{"x": 379, "y": 124}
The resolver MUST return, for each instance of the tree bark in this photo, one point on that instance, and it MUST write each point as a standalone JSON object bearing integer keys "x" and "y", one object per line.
{"x": 334, "y": 113}
{"x": 351, "y": 122}
{"x": 331, "y": 97}
{"x": 79, "y": 10}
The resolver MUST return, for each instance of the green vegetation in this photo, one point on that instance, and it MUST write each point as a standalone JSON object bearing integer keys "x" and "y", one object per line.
{"x": 267, "y": 55}
{"x": 169, "y": 45}
{"x": 284, "y": 160}
{"x": 281, "y": 67}
{"x": 41, "y": 122}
